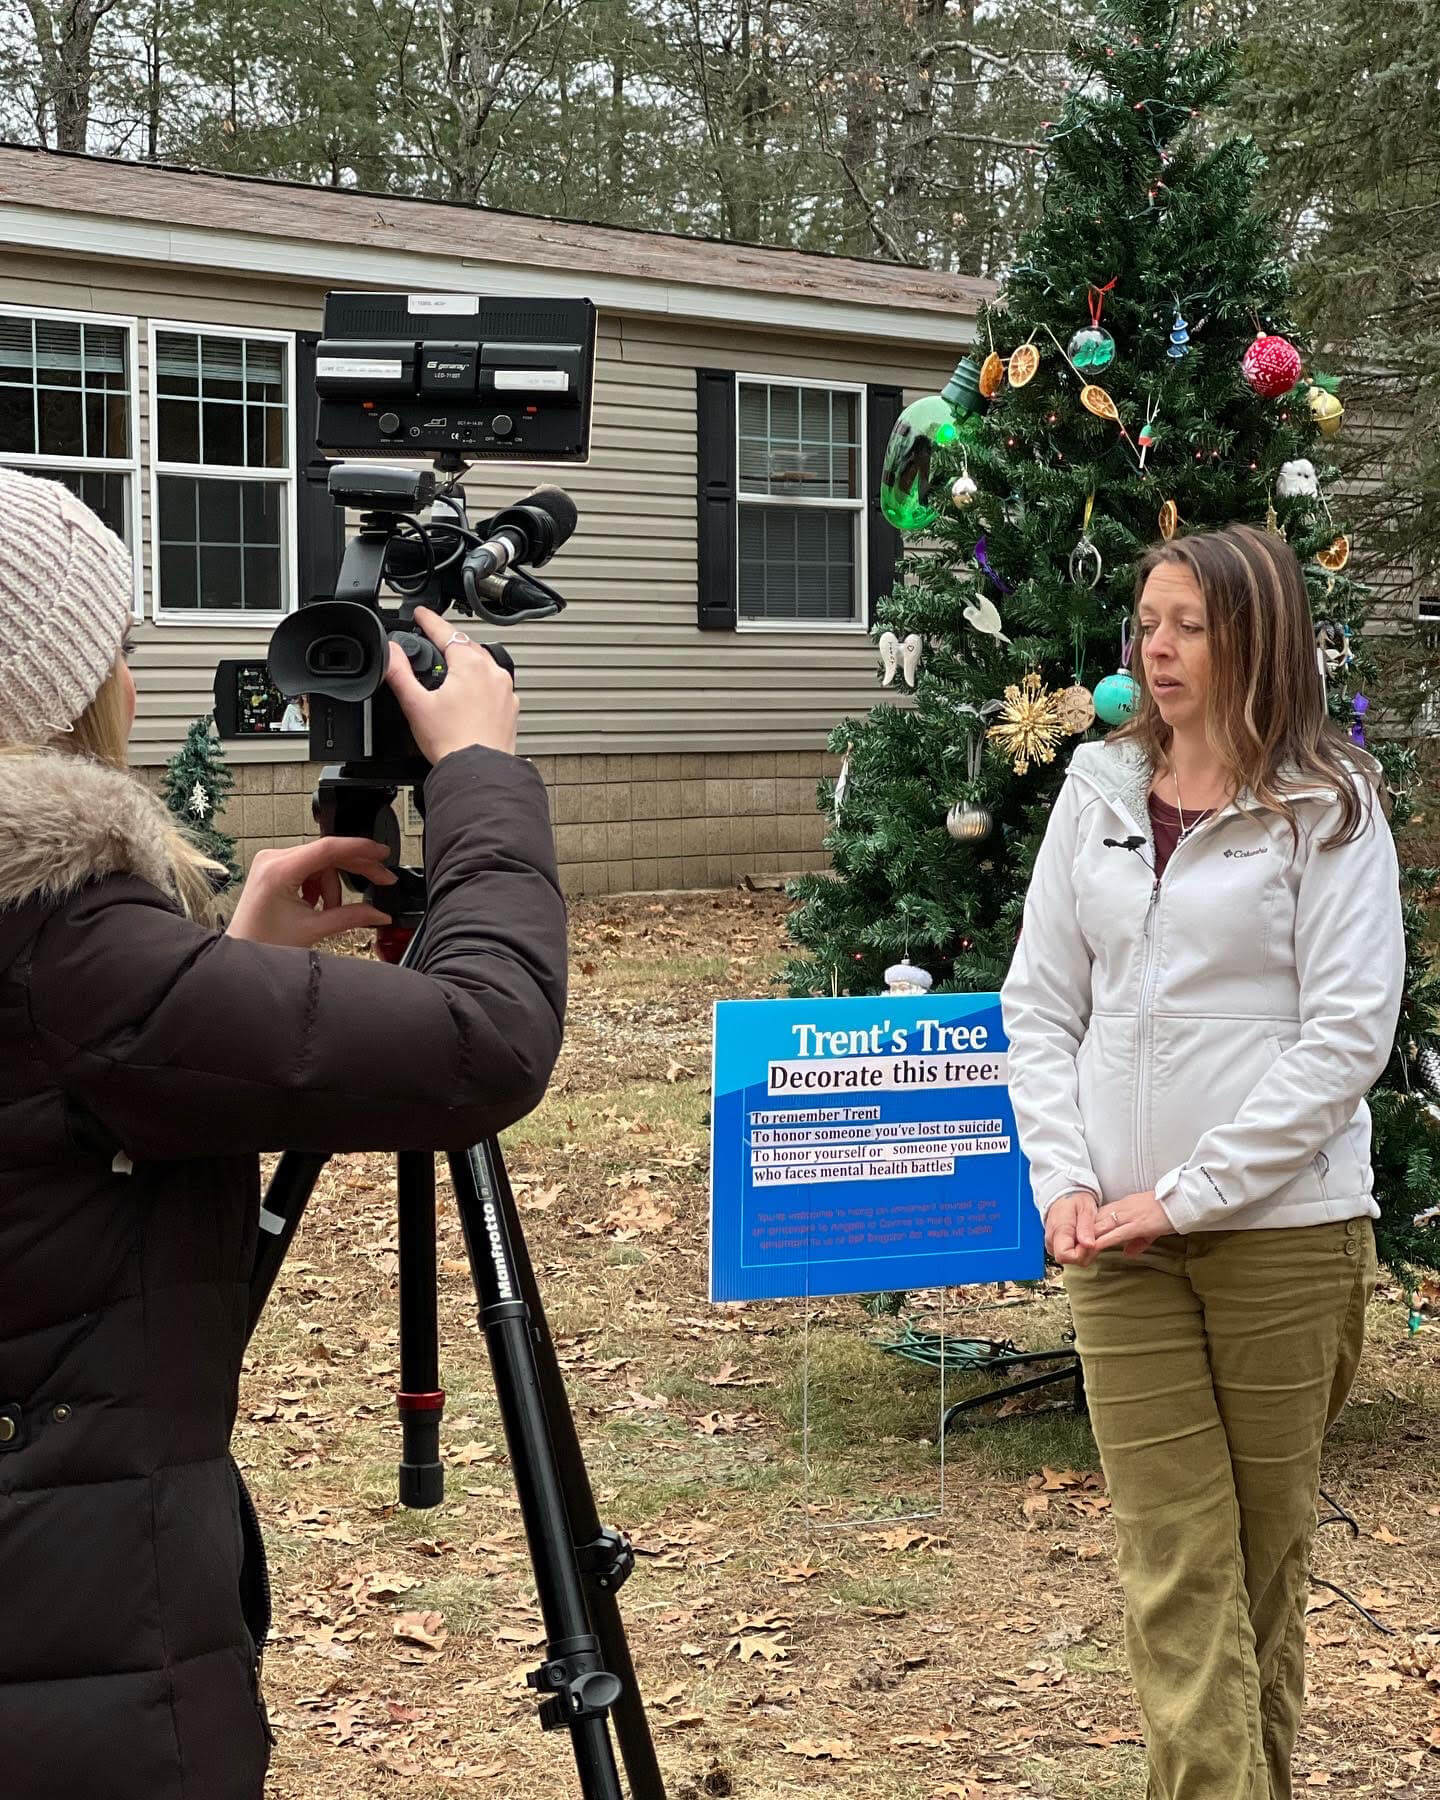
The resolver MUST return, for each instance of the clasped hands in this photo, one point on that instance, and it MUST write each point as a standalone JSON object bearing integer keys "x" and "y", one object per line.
{"x": 1078, "y": 1227}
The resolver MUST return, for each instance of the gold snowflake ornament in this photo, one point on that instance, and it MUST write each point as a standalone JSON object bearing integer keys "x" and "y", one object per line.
{"x": 1029, "y": 727}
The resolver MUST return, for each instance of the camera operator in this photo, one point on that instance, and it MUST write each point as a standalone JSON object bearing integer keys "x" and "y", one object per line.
{"x": 146, "y": 1058}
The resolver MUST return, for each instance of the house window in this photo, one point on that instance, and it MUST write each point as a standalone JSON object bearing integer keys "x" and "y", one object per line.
{"x": 67, "y": 406}
{"x": 800, "y": 470}
{"x": 222, "y": 452}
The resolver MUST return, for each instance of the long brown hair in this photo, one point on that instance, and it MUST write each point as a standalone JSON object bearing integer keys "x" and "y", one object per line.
{"x": 1265, "y": 715}
{"x": 101, "y": 733}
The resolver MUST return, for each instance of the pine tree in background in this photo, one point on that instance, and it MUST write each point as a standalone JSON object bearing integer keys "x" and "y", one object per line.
{"x": 196, "y": 782}
{"x": 1141, "y": 381}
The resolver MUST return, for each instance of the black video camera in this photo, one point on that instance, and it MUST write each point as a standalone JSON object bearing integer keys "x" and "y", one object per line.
{"x": 464, "y": 379}
{"x": 335, "y": 651}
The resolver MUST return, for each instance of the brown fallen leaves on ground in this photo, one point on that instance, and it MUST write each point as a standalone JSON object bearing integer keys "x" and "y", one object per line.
{"x": 783, "y": 1647}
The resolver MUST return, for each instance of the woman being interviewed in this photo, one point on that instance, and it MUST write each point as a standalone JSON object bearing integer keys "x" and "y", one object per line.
{"x": 145, "y": 1059}
{"x": 1206, "y": 986}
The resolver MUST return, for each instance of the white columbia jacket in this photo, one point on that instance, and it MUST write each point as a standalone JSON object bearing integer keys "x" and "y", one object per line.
{"x": 1223, "y": 1024}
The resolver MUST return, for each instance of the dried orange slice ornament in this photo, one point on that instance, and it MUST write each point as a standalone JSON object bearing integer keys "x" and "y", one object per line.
{"x": 1023, "y": 364}
{"x": 1097, "y": 401}
{"x": 1169, "y": 520}
{"x": 992, "y": 375}
{"x": 1335, "y": 558}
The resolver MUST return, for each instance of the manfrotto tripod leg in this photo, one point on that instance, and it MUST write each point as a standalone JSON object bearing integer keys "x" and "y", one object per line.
{"x": 587, "y": 1673}
{"x": 606, "y": 1557}
{"x": 420, "y": 1399}
{"x": 290, "y": 1188}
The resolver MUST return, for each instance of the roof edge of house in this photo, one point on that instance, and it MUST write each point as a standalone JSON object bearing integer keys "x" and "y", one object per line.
{"x": 668, "y": 272}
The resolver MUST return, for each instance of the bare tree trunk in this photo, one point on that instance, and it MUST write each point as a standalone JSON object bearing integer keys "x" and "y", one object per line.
{"x": 752, "y": 99}
{"x": 65, "y": 40}
{"x": 154, "y": 67}
{"x": 859, "y": 152}
{"x": 917, "y": 132}
{"x": 975, "y": 169}
{"x": 616, "y": 146}
{"x": 483, "y": 53}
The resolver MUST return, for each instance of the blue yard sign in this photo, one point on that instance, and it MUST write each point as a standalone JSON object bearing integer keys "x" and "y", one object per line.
{"x": 865, "y": 1144}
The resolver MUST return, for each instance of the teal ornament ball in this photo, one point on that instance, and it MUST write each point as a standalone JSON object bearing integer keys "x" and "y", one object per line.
{"x": 1092, "y": 348}
{"x": 1115, "y": 698}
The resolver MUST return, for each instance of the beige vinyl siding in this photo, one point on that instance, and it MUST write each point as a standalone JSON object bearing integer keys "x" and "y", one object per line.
{"x": 1392, "y": 584}
{"x": 625, "y": 669}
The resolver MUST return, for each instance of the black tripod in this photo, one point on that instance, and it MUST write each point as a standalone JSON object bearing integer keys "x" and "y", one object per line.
{"x": 587, "y": 1674}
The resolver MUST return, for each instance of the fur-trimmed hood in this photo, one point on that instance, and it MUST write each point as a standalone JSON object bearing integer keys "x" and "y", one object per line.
{"x": 68, "y": 820}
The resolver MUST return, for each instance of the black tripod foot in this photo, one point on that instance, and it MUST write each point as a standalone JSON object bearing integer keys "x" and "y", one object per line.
{"x": 422, "y": 1484}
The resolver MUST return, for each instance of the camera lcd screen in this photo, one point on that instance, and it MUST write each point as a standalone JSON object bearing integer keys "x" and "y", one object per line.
{"x": 248, "y": 704}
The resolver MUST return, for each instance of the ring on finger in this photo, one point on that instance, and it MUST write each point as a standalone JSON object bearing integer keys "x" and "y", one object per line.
{"x": 456, "y": 637}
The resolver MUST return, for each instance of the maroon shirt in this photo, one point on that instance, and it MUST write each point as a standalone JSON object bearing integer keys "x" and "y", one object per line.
{"x": 1165, "y": 822}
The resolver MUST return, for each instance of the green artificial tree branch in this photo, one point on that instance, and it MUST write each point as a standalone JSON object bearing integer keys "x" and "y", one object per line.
{"x": 1138, "y": 195}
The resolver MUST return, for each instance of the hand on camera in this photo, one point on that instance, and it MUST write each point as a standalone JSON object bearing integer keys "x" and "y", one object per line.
{"x": 293, "y": 897}
{"x": 1070, "y": 1229}
{"x": 475, "y": 704}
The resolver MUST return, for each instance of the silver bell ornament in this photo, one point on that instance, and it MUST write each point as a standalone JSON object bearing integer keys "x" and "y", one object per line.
{"x": 963, "y": 490}
{"x": 968, "y": 824}
{"x": 967, "y": 821}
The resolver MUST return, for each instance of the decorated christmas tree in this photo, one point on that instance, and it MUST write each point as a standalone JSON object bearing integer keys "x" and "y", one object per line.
{"x": 196, "y": 782}
{"x": 1137, "y": 376}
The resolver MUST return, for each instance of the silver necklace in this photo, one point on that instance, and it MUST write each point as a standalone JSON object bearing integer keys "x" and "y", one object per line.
{"x": 1185, "y": 829}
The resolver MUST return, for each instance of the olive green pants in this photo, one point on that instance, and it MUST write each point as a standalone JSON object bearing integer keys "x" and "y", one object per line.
{"x": 1214, "y": 1365}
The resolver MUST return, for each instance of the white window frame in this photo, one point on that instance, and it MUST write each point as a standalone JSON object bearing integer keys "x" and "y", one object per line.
{"x": 203, "y": 616}
{"x": 37, "y": 463}
{"x": 859, "y": 506}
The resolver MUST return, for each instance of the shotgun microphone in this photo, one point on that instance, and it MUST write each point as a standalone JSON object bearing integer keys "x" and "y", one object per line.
{"x": 528, "y": 533}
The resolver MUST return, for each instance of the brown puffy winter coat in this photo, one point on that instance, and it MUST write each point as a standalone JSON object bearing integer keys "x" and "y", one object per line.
{"x": 130, "y": 1036}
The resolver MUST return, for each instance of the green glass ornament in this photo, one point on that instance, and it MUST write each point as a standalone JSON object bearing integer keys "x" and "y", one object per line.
{"x": 909, "y": 490}
{"x": 1092, "y": 347}
{"x": 1115, "y": 698}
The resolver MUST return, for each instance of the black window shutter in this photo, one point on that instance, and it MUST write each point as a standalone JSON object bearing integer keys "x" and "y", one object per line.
{"x": 320, "y": 524}
{"x": 715, "y": 525}
{"x": 883, "y": 548}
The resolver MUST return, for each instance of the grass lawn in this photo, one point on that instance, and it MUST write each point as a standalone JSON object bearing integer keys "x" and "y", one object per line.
{"x": 784, "y": 1646}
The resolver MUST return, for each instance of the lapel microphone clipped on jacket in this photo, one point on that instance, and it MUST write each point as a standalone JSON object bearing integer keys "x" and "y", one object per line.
{"x": 1130, "y": 843}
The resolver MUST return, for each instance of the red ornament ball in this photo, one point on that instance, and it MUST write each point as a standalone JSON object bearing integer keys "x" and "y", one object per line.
{"x": 1271, "y": 365}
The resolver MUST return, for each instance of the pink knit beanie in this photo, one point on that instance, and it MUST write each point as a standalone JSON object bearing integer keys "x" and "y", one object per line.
{"x": 66, "y": 596}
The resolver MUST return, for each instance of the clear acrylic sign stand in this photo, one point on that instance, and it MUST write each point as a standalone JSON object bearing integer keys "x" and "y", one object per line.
{"x": 862, "y": 1522}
